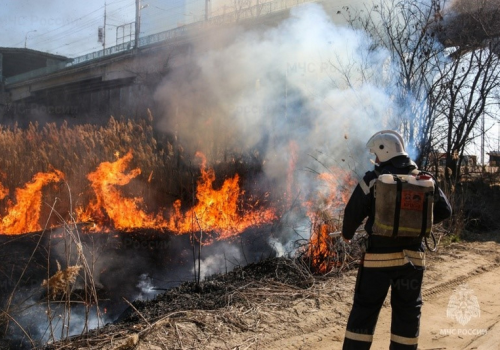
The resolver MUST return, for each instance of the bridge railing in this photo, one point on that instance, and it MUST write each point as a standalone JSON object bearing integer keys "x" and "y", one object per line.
{"x": 227, "y": 18}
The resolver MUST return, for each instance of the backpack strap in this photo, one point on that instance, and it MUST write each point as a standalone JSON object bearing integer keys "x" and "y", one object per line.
{"x": 397, "y": 210}
{"x": 368, "y": 181}
{"x": 424, "y": 214}
{"x": 424, "y": 223}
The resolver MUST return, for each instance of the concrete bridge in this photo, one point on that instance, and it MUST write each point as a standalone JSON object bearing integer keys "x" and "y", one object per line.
{"x": 121, "y": 80}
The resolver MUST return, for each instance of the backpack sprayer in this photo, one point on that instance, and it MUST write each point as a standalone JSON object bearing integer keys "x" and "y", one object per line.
{"x": 403, "y": 207}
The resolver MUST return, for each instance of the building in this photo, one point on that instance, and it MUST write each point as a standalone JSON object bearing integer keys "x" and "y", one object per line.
{"x": 15, "y": 61}
{"x": 494, "y": 158}
{"x": 440, "y": 158}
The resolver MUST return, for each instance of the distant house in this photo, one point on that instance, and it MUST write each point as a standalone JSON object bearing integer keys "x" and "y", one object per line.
{"x": 14, "y": 61}
{"x": 494, "y": 158}
{"x": 466, "y": 160}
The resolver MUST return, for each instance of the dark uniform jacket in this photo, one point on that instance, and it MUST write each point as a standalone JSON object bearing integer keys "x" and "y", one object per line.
{"x": 360, "y": 206}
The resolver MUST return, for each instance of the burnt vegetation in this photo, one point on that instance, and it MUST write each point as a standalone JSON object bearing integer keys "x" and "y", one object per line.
{"x": 222, "y": 304}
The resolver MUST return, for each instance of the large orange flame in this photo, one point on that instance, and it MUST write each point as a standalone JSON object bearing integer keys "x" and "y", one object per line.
{"x": 111, "y": 208}
{"x": 324, "y": 213}
{"x": 24, "y": 215}
{"x": 217, "y": 211}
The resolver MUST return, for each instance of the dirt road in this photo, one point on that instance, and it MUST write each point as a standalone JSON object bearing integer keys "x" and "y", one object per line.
{"x": 466, "y": 272}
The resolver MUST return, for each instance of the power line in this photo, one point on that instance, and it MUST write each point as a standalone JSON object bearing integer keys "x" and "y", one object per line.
{"x": 82, "y": 26}
{"x": 69, "y": 33}
{"x": 39, "y": 35}
{"x": 69, "y": 29}
{"x": 156, "y": 21}
{"x": 69, "y": 44}
{"x": 36, "y": 36}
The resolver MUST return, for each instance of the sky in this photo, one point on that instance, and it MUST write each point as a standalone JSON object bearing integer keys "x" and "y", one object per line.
{"x": 60, "y": 27}
{"x": 71, "y": 28}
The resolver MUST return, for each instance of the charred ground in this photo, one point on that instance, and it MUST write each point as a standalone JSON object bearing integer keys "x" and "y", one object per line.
{"x": 279, "y": 281}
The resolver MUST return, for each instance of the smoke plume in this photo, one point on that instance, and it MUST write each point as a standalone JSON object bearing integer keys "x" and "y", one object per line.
{"x": 304, "y": 94}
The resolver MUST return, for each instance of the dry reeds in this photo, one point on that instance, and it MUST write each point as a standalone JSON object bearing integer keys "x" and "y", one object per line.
{"x": 62, "y": 280}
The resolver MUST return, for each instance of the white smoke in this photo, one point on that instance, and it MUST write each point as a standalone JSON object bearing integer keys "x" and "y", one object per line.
{"x": 146, "y": 288}
{"x": 282, "y": 250}
{"x": 78, "y": 321}
{"x": 222, "y": 262}
{"x": 260, "y": 90}
{"x": 303, "y": 96}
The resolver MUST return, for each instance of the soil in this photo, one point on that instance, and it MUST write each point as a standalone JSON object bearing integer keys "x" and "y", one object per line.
{"x": 276, "y": 305}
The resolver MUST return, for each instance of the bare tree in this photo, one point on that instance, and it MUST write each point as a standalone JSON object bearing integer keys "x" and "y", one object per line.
{"x": 444, "y": 57}
{"x": 401, "y": 28}
{"x": 469, "y": 82}
{"x": 467, "y": 87}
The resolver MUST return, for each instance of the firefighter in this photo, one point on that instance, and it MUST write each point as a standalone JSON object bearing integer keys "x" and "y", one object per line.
{"x": 388, "y": 261}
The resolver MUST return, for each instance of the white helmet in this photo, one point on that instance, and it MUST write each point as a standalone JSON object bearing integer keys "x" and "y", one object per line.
{"x": 386, "y": 145}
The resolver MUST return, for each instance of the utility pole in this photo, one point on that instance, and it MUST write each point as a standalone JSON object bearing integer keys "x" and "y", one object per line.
{"x": 104, "y": 29}
{"x": 206, "y": 10}
{"x": 482, "y": 142}
{"x": 26, "y": 37}
{"x": 137, "y": 22}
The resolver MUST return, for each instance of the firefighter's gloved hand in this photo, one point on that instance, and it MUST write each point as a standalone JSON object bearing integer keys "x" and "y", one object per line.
{"x": 363, "y": 243}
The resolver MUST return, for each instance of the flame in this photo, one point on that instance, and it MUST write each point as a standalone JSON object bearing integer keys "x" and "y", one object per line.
{"x": 25, "y": 214}
{"x": 320, "y": 251}
{"x": 339, "y": 187}
{"x": 111, "y": 208}
{"x": 328, "y": 201}
{"x": 217, "y": 211}
{"x": 3, "y": 192}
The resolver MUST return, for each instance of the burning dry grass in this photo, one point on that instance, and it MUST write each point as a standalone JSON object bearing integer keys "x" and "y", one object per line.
{"x": 76, "y": 151}
{"x": 125, "y": 176}
{"x": 218, "y": 210}
{"x": 321, "y": 253}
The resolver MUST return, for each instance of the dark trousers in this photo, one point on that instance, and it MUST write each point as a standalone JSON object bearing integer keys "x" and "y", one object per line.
{"x": 372, "y": 286}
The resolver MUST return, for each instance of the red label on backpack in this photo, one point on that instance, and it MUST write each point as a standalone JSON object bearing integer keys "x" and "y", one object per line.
{"x": 412, "y": 200}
